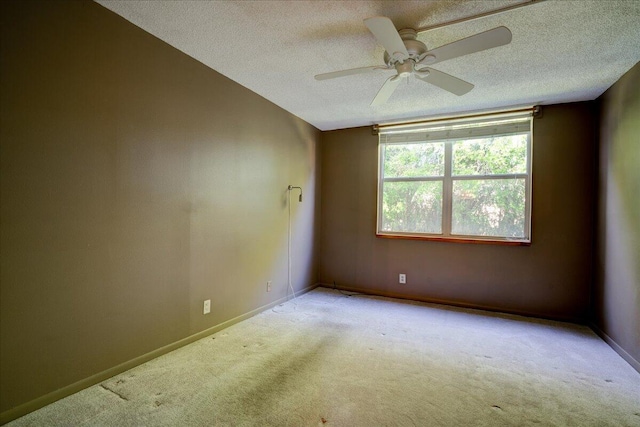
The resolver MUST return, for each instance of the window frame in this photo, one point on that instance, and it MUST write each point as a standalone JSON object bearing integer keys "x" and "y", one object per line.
{"x": 448, "y": 179}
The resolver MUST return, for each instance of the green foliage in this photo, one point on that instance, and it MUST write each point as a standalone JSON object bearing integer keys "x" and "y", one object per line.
{"x": 412, "y": 207}
{"x": 480, "y": 207}
{"x": 414, "y": 160}
{"x": 490, "y": 156}
{"x": 489, "y": 207}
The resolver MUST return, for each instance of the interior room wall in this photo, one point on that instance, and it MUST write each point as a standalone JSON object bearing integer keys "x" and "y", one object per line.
{"x": 617, "y": 284}
{"x": 550, "y": 278}
{"x": 135, "y": 184}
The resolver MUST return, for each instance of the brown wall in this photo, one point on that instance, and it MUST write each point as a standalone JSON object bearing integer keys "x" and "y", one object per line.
{"x": 135, "y": 183}
{"x": 551, "y": 278}
{"x": 617, "y": 284}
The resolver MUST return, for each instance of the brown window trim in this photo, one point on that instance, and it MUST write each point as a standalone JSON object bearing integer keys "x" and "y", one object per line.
{"x": 457, "y": 240}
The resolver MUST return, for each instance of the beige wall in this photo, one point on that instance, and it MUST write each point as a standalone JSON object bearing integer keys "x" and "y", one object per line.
{"x": 552, "y": 277}
{"x": 617, "y": 285}
{"x": 135, "y": 183}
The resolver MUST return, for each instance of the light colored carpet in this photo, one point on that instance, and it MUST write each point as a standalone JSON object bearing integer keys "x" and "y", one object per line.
{"x": 326, "y": 359}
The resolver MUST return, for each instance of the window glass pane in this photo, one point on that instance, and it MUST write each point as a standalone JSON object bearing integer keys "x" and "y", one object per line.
{"x": 413, "y": 160}
{"x": 490, "y": 156}
{"x": 489, "y": 207}
{"x": 412, "y": 207}
{"x": 459, "y": 178}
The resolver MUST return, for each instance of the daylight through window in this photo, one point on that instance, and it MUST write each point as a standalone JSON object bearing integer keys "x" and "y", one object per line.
{"x": 467, "y": 179}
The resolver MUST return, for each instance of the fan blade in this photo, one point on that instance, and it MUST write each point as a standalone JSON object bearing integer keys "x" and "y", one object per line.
{"x": 387, "y": 35}
{"x": 476, "y": 43}
{"x": 349, "y": 72}
{"x": 444, "y": 81}
{"x": 386, "y": 90}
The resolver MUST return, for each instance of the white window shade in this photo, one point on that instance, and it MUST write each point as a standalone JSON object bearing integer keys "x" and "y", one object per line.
{"x": 455, "y": 129}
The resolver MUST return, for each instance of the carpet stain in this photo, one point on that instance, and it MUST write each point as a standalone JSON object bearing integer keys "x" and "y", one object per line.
{"x": 324, "y": 421}
{"x": 114, "y": 392}
{"x": 609, "y": 381}
{"x": 496, "y": 407}
{"x": 157, "y": 403}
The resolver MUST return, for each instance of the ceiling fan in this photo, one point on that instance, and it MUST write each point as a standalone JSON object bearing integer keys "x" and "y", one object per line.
{"x": 407, "y": 55}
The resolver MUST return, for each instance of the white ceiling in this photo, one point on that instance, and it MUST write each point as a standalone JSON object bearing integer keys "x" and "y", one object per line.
{"x": 562, "y": 51}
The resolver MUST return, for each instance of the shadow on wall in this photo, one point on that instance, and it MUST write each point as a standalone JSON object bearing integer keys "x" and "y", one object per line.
{"x": 304, "y": 214}
{"x": 625, "y": 161}
{"x": 302, "y": 167}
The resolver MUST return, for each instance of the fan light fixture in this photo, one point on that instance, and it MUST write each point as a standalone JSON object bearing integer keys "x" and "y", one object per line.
{"x": 410, "y": 54}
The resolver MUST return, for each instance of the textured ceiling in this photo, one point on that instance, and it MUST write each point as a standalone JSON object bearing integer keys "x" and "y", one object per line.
{"x": 562, "y": 51}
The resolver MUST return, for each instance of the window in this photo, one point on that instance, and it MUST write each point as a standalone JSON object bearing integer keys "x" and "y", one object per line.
{"x": 458, "y": 179}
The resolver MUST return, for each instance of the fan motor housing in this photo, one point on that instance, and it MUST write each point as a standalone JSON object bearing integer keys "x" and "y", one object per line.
{"x": 414, "y": 47}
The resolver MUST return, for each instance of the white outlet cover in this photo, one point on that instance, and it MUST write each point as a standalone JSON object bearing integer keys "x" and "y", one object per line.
{"x": 207, "y": 307}
{"x": 402, "y": 278}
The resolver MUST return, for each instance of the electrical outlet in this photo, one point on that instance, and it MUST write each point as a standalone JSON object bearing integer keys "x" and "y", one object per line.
{"x": 206, "y": 309}
{"x": 402, "y": 278}
{"x": 269, "y": 286}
